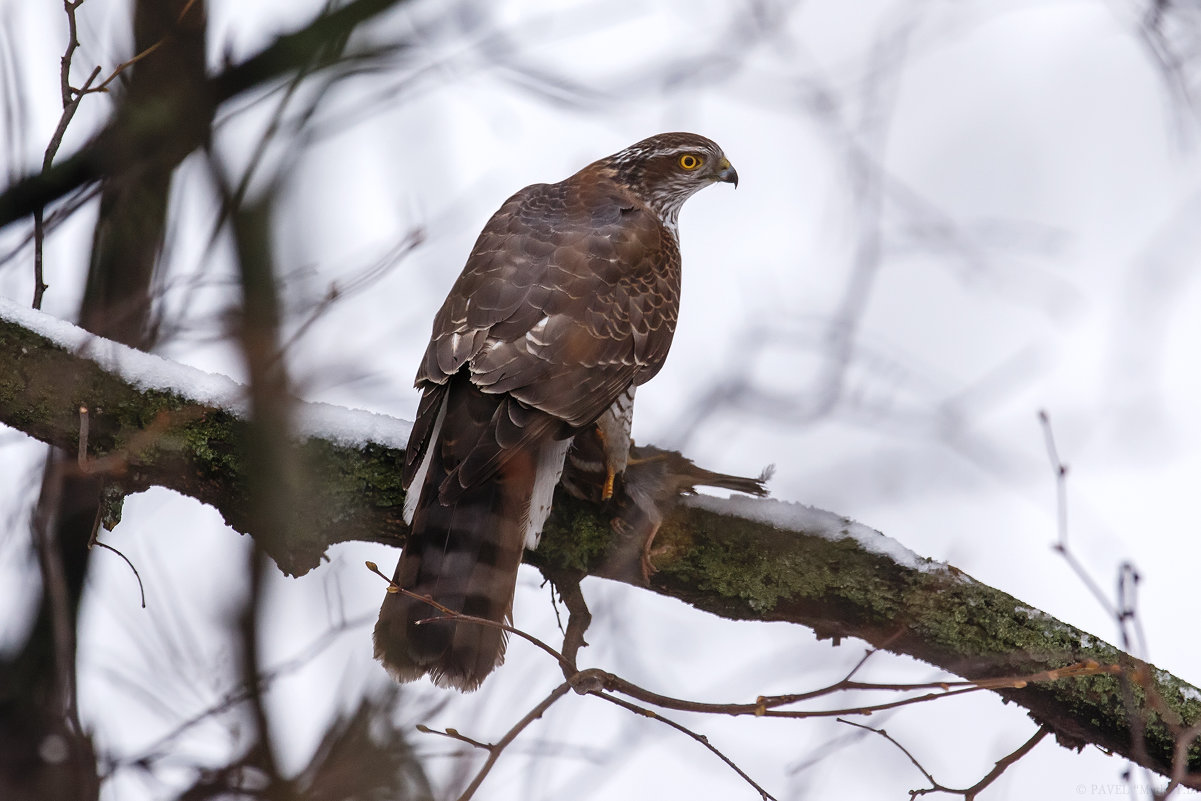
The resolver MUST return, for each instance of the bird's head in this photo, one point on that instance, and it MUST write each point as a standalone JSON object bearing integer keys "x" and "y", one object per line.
{"x": 666, "y": 169}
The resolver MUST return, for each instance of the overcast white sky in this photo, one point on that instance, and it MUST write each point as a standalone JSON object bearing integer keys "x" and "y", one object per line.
{"x": 1004, "y": 200}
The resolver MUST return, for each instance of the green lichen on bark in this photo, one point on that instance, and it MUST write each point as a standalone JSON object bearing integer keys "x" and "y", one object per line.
{"x": 143, "y": 437}
{"x": 746, "y": 570}
{"x": 575, "y": 536}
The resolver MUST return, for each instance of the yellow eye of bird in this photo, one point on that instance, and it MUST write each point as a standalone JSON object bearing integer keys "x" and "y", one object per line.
{"x": 690, "y": 162}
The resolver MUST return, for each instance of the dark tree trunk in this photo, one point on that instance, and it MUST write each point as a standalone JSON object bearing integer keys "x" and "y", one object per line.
{"x": 44, "y": 753}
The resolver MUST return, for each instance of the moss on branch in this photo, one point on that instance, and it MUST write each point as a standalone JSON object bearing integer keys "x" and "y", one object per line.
{"x": 744, "y": 570}
{"x": 140, "y": 438}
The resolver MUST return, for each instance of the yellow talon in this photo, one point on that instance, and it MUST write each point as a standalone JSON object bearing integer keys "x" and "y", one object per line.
{"x": 607, "y": 491}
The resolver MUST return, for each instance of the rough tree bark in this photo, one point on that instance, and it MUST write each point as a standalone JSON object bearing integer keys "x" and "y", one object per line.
{"x": 722, "y": 563}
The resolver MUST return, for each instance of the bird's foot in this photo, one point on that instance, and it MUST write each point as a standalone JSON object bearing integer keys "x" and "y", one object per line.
{"x": 649, "y": 569}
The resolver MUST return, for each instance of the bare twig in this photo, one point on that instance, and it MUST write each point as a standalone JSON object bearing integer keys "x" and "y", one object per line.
{"x": 136, "y": 574}
{"x": 94, "y": 538}
{"x": 70, "y": 106}
{"x": 594, "y": 680}
{"x": 83, "y": 438}
{"x": 970, "y": 793}
{"x": 53, "y": 571}
{"x": 767, "y": 706}
{"x": 64, "y": 73}
{"x": 257, "y": 566}
{"x": 579, "y": 681}
{"x": 124, "y": 65}
{"x": 1005, "y": 762}
{"x": 494, "y": 751}
{"x": 1061, "y": 488}
{"x": 884, "y": 733}
{"x": 70, "y": 102}
{"x": 1184, "y": 742}
{"x": 1132, "y": 672}
{"x": 1134, "y": 639}
{"x": 340, "y": 290}
{"x": 567, "y": 582}
{"x": 700, "y": 738}
{"x": 455, "y": 734}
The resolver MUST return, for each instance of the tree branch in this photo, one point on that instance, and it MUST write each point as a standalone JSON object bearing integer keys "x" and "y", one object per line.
{"x": 825, "y": 572}
{"x": 141, "y": 437}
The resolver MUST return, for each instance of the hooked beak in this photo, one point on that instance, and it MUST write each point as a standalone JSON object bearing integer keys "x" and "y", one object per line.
{"x": 726, "y": 172}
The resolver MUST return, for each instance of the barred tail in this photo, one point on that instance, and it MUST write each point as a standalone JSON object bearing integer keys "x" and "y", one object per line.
{"x": 465, "y": 556}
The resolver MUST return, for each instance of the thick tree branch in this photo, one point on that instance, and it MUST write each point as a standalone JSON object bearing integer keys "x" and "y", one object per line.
{"x": 720, "y": 562}
{"x": 141, "y": 438}
{"x": 746, "y": 570}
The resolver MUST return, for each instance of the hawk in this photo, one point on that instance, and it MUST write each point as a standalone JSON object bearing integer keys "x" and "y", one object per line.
{"x": 567, "y": 303}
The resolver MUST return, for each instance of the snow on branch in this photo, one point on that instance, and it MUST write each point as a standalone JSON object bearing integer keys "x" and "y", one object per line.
{"x": 142, "y": 421}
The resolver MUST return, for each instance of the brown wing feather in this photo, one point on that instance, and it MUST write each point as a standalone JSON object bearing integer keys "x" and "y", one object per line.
{"x": 569, "y": 296}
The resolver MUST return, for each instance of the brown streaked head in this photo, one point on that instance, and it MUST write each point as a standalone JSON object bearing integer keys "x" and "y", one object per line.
{"x": 666, "y": 169}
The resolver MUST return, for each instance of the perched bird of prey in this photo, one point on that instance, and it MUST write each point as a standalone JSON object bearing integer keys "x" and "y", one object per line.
{"x": 567, "y": 303}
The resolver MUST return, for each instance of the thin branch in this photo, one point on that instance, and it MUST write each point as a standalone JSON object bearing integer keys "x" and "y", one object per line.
{"x": 120, "y": 68}
{"x": 97, "y": 543}
{"x": 767, "y": 706}
{"x": 1005, "y": 762}
{"x": 1061, "y": 489}
{"x": 53, "y": 571}
{"x": 884, "y": 733}
{"x": 567, "y": 582}
{"x": 124, "y": 65}
{"x": 455, "y": 734}
{"x": 257, "y": 567}
{"x": 1134, "y": 639}
{"x": 84, "y": 425}
{"x": 70, "y": 103}
{"x": 700, "y": 738}
{"x": 970, "y": 793}
{"x": 64, "y": 72}
{"x": 1184, "y": 742}
{"x": 593, "y": 680}
{"x": 1123, "y": 613}
{"x": 494, "y": 751}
